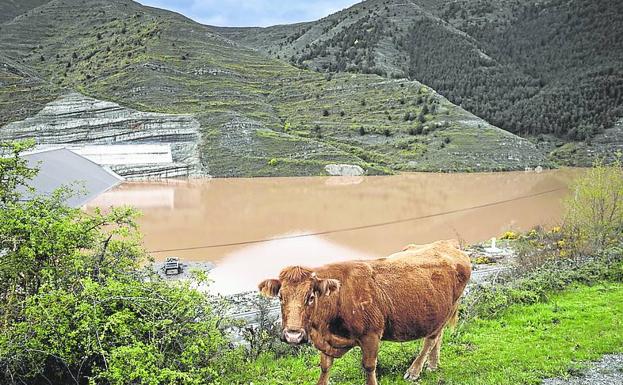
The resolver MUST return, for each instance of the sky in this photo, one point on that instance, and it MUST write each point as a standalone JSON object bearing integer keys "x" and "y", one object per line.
{"x": 251, "y": 13}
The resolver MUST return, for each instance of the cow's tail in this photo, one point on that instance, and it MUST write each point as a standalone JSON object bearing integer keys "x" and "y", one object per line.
{"x": 454, "y": 318}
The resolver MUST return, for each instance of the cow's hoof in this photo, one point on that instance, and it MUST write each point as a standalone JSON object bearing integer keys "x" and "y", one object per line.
{"x": 411, "y": 376}
{"x": 431, "y": 368}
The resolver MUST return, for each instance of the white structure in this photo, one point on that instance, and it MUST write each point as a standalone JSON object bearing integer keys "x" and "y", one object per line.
{"x": 125, "y": 154}
{"x": 62, "y": 167}
{"x": 493, "y": 248}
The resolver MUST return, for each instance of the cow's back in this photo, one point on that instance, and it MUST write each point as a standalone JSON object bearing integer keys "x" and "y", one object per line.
{"x": 420, "y": 287}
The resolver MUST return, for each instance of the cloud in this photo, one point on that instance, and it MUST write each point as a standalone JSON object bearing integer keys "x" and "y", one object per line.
{"x": 261, "y": 13}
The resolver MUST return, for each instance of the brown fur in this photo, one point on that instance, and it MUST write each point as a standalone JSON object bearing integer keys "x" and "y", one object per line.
{"x": 409, "y": 295}
{"x": 295, "y": 274}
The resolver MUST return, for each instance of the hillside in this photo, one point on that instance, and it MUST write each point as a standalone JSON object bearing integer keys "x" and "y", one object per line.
{"x": 22, "y": 91}
{"x": 547, "y": 67}
{"x": 12, "y": 8}
{"x": 258, "y": 116}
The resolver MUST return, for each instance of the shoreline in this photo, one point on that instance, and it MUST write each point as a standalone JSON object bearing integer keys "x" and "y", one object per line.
{"x": 247, "y": 305}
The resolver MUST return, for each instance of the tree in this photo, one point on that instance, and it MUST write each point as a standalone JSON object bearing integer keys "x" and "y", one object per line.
{"x": 594, "y": 212}
{"x": 14, "y": 170}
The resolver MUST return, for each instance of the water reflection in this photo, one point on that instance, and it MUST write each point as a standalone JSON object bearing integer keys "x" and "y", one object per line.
{"x": 244, "y": 268}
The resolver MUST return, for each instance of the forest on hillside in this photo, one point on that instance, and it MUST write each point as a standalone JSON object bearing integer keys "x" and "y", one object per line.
{"x": 551, "y": 67}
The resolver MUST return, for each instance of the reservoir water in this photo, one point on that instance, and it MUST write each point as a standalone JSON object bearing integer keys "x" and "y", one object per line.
{"x": 251, "y": 228}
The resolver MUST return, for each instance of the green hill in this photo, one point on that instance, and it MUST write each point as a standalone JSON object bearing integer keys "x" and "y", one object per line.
{"x": 545, "y": 67}
{"x": 22, "y": 92}
{"x": 12, "y": 8}
{"x": 258, "y": 115}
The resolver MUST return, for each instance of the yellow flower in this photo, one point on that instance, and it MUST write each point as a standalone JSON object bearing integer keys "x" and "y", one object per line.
{"x": 556, "y": 229}
{"x": 482, "y": 260}
{"x": 509, "y": 235}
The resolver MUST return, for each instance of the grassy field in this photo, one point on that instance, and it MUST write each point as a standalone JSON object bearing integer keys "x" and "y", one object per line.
{"x": 522, "y": 346}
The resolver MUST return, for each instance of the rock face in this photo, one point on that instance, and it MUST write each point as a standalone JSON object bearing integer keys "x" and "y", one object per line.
{"x": 343, "y": 170}
{"x": 78, "y": 120}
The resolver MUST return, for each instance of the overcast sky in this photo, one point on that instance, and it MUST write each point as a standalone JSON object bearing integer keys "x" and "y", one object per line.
{"x": 251, "y": 13}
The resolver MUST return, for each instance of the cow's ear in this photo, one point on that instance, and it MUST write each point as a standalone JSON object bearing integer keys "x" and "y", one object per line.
{"x": 327, "y": 286}
{"x": 270, "y": 287}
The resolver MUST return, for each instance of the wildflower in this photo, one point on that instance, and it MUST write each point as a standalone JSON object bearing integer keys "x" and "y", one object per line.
{"x": 510, "y": 235}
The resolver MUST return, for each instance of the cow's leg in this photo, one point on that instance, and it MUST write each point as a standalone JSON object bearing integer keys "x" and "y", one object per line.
{"x": 433, "y": 358}
{"x": 325, "y": 365}
{"x": 413, "y": 373}
{"x": 370, "y": 350}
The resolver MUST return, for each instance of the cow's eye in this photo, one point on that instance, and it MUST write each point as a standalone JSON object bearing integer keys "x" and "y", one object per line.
{"x": 310, "y": 300}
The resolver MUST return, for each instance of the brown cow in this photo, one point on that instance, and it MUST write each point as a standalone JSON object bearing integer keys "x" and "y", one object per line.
{"x": 409, "y": 295}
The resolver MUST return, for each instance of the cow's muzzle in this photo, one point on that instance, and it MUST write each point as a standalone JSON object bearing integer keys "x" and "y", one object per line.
{"x": 294, "y": 336}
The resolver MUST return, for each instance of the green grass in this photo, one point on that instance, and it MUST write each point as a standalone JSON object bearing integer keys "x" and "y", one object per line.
{"x": 522, "y": 346}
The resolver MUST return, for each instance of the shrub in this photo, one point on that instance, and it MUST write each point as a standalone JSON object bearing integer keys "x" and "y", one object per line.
{"x": 273, "y": 162}
{"x": 75, "y": 306}
{"x": 594, "y": 211}
{"x": 421, "y": 117}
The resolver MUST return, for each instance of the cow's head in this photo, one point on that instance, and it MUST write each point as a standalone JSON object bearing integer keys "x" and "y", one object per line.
{"x": 298, "y": 289}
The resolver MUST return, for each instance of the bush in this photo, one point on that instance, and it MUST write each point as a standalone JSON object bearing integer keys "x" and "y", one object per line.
{"x": 594, "y": 212}
{"x": 75, "y": 306}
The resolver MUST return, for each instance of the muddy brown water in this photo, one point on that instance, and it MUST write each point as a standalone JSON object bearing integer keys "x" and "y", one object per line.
{"x": 251, "y": 228}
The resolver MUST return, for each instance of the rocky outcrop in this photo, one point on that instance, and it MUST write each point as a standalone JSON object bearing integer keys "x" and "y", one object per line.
{"x": 343, "y": 170}
{"x": 75, "y": 120}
